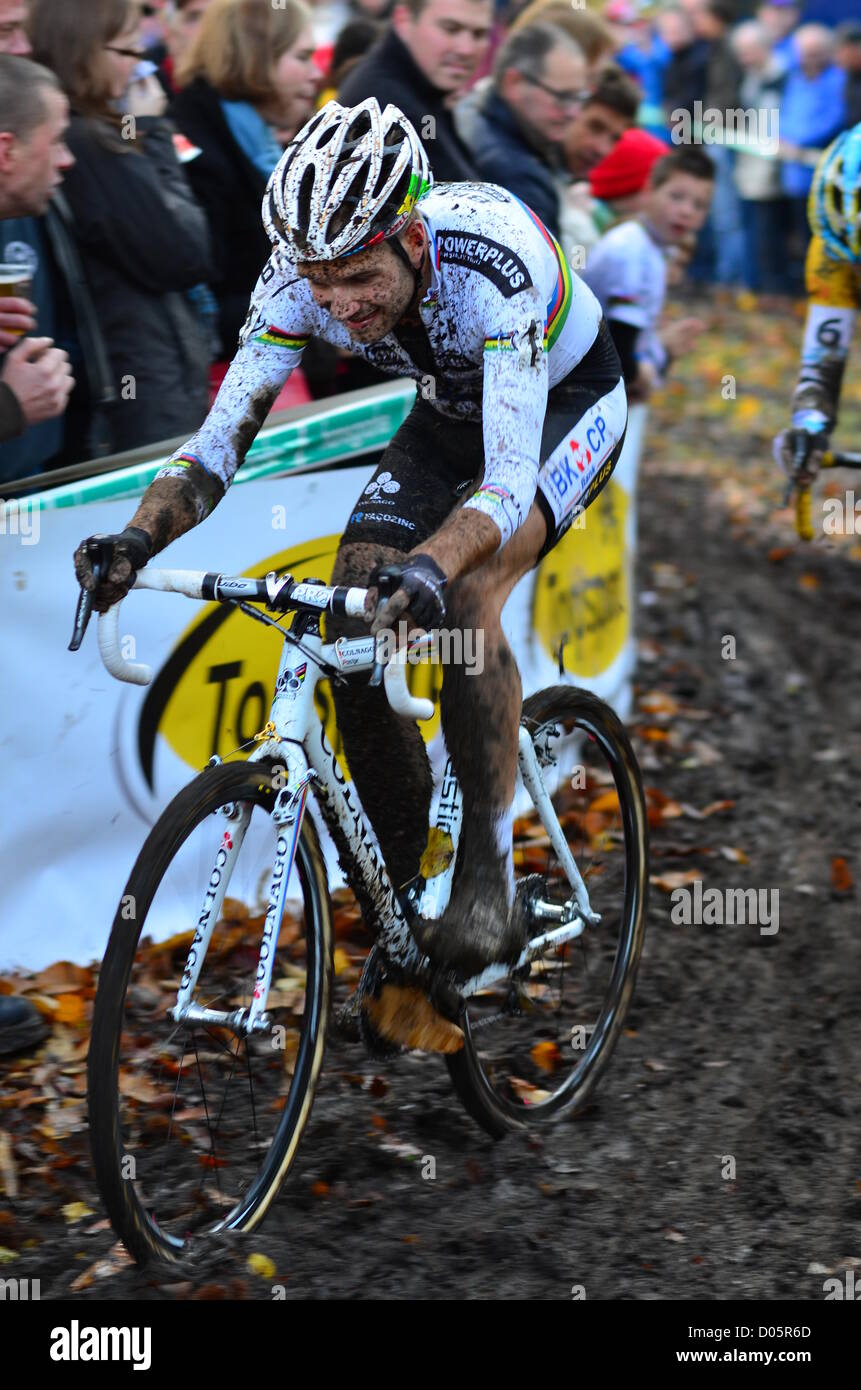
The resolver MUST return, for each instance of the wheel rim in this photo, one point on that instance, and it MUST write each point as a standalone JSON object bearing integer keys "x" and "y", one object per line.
{"x": 546, "y": 1055}
{"x": 204, "y": 1115}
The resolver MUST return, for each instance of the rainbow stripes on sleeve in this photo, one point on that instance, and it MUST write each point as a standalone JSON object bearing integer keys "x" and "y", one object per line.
{"x": 280, "y": 338}
{"x": 559, "y": 302}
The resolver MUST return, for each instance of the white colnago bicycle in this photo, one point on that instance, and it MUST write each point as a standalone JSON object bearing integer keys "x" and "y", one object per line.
{"x": 206, "y": 1047}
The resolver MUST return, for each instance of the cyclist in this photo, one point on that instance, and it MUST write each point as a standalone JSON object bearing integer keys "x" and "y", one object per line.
{"x": 517, "y": 427}
{"x": 833, "y": 276}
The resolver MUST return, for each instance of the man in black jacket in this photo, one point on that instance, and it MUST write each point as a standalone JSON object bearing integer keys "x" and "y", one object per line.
{"x": 427, "y": 57}
{"x": 538, "y": 82}
{"x": 35, "y": 380}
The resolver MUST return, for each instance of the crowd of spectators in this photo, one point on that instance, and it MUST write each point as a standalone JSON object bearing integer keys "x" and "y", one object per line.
{"x": 136, "y": 141}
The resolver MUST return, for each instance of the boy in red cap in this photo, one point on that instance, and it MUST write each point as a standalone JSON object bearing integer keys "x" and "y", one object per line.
{"x": 622, "y": 176}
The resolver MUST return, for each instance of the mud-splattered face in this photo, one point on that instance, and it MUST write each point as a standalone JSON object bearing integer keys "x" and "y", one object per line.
{"x": 369, "y": 292}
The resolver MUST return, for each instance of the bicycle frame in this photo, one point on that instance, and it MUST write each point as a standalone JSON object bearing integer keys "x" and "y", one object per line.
{"x": 295, "y": 741}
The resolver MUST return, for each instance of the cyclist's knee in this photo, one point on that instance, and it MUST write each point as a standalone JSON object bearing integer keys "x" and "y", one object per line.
{"x": 356, "y": 559}
{"x": 354, "y": 564}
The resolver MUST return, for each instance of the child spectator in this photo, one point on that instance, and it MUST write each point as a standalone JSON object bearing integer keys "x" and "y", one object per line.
{"x": 627, "y": 270}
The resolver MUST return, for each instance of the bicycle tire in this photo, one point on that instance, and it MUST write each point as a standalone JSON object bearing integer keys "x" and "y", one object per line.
{"x": 495, "y": 1115}
{"x": 213, "y": 788}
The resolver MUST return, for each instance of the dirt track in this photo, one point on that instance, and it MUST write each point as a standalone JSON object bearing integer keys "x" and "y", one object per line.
{"x": 742, "y": 1046}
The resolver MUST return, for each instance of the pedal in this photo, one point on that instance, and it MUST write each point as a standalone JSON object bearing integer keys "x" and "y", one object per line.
{"x": 404, "y": 1015}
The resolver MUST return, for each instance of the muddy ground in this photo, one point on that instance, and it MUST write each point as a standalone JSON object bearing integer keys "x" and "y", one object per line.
{"x": 721, "y": 1157}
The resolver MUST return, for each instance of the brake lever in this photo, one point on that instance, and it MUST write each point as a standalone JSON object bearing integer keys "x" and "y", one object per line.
{"x": 379, "y": 666}
{"x": 386, "y": 585}
{"x": 84, "y": 609}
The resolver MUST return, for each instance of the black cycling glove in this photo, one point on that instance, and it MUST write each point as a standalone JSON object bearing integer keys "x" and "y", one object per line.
{"x": 121, "y": 557}
{"x": 423, "y": 582}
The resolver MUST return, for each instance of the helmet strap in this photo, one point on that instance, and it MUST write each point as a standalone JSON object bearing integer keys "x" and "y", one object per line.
{"x": 417, "y": 272}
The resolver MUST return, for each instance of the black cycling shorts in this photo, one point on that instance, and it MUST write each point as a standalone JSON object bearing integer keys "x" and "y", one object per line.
{"x": 432, "y": 462}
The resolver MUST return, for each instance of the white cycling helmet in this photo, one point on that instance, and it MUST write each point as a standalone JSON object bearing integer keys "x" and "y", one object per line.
{"x": 350, "y": 179}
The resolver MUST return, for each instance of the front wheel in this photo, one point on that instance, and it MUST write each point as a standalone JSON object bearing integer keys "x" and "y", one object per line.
{"x": 537, "y": 1042}
{"x": 194, "y": 1126}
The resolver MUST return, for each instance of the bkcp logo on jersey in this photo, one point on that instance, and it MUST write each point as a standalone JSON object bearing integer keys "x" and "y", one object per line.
{"x": 580, "y": 455}
{"x": 489, "y": 258}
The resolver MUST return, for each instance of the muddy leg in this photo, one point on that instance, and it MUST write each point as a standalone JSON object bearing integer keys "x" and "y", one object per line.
{"x": 481, "y": 716}
{"x": 386, "y": 753}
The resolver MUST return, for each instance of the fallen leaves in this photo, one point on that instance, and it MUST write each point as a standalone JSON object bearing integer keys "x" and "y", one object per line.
{"x": 340, "y": 960}
{"x": 714, "y": 808}
{"x": 116, "y": 1260}
{"x": 75, "y": 1211}
{"x": 841, "y": 879}
{"x": 669, "y": 882}
{"x": 526, "y": 1092}
{"x": 660, "y": 807}
{"x": 8, "y": 1170}
{"x": 62, "y": 977}
{"x": 546, "y": 1055}
{"x": 71, "y": 1009}
{"x": 657, "y": 702}
{"x": 735, "y": 856}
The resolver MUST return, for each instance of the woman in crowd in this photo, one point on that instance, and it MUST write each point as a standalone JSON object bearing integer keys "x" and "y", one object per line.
{"x": 247, "y": 85}
{"x": 142, "y": 237}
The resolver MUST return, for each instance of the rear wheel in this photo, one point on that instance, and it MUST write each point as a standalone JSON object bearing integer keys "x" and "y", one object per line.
{"x": 193, "y": 1127}
{"x": 536, "y": 1044}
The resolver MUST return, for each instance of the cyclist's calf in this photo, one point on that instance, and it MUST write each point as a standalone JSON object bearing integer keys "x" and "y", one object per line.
{"x": 386, "y": 754}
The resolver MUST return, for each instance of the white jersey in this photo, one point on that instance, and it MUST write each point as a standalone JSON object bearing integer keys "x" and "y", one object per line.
{"x": 627, "y": 270}
{"x": 506, "y": 318}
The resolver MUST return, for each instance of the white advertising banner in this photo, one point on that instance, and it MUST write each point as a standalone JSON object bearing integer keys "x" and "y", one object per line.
{"x": 88, "y": 764}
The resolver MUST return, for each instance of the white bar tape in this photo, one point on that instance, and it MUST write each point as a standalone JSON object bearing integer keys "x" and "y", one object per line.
{"x": 354, "y": 603}
{"x": 135, "y": 672}
{"x": 399, "y": 697}
{"x": 188, "y": 582}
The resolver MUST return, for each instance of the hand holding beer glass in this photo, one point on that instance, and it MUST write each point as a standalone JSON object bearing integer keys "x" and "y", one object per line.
{"x": 17, "y": 314}
{"x": 36, "y": 371}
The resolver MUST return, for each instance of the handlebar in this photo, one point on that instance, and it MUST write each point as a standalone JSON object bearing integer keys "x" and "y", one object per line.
{"x": 803, "y": 512}
{"x": 280, "y": 592}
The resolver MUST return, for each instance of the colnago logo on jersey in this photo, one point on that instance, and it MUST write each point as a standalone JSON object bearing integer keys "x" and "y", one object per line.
{"x": 489, "y": 258}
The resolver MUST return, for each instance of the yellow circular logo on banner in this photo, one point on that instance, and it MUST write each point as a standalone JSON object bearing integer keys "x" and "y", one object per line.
{"x": 215, "y": 690}
{"x": 581, "y": 593}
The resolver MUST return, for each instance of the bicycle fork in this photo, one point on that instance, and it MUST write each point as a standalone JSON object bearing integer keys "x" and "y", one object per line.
{"x": 288, "y": 814}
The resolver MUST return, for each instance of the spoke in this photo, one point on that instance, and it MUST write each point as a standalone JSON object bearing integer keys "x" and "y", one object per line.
{"x": 251, "y": 1089}
{"x": 234, "y": 1055}
{"x": 206, "y": 1110}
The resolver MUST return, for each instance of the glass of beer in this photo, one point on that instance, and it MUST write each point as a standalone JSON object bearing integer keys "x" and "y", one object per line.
{"x": 16, "y": 282}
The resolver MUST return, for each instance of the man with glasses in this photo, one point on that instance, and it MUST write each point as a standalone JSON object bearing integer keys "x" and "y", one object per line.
{"x": 539, "y": 83}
